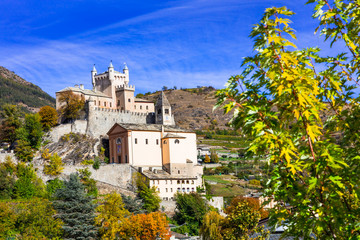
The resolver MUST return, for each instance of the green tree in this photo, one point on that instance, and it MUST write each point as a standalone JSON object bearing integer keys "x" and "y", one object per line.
{"x": 75, "y": 208}
{"x": 7, "y": 179}
{"x": 52, "y": 186}
{"x": 190, "y": 210}
{"x": 89, "y": 183}
{"x": 28, "y": 184}
{"x": 149, "y": 196}
{"x": 55, "y": 165}
{"x": 24, "y": 152}
{"x": 31, "y": 132}
{"x": 133, "y": 205}
{"x": 71, "y": 105}
{"x": 48, "y": 117}
{"x": 12, "y": 121}
{"x": 299, "y": 109}
{"x": 241, "y": 223}
{"x": 211, "y": 226}
{"x": 214, "y": 158}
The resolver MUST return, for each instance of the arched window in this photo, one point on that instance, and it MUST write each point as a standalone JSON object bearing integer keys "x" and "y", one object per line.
{"x": 118, "y": 141}
{"x": 177, "y": 141}
{"x": 165, "y": 142}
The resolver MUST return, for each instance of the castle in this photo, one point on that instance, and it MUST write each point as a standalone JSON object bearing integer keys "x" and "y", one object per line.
{"x": 141, "y": 134}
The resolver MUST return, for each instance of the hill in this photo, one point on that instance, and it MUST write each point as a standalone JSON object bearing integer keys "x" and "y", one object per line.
{"x": 13, "y": 87}
{"x": 193, "y": 108}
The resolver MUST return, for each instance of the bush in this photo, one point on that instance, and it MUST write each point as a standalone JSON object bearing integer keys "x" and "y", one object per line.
{"x": 96, "y": 164}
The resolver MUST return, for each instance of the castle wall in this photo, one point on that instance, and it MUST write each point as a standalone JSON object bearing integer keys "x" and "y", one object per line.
{"x": 100, "y": 120}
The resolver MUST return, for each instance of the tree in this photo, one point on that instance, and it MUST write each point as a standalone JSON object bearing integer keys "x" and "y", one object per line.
{"x": 149, "y": 196}
{"x": 32, "y": 219}
{"x": 11, "y": 115}
{"x": 55, "y": 165}
{"x": 31, "y": 132}
{"x": 7, "y": 182}
{"x": 190, "y": 210}
{"x": 24, "y": 152}
{"x": 28, "y": 184}
{"x": 213, "y": 156}
{"x": 111, "y": 217}
{"x": 299, "y": 109}
{"x": 71, "y": 105}
{"x": 89, "y": 183}
{"x": 207, "y": 159}
{"x": 253, "y": 203}
{"x": 242, "y": 223}
{"x": 211, "y": 226}
{"x": 147, "y": 227}
{"x": 133, "y": 205}
{"x": 48, "y": 117}
{"x": 75, "y": 208}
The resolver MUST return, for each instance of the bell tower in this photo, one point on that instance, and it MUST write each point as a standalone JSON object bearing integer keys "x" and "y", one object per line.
{"x": 163, "y": 113}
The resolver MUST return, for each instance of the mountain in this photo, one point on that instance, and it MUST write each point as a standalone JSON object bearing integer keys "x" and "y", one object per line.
{"x": 193, "y": 108}
{"x": 15, "y": 90}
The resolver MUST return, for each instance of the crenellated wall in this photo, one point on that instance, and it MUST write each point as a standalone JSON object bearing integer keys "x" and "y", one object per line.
{"x": 100, "y": 120}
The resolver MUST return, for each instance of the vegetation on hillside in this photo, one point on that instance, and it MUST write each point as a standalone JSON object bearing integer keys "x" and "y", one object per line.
{"x": 12, "y": 92}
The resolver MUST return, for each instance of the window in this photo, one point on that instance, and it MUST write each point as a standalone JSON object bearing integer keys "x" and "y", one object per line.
{"x": 178, "y": 189}
{"x": 166, "y": 190}
{"x": 183, "y": 189}
{"x": 135, "y": 107}
{"x": 140, "y": 107}
{"x": 170, "y": 181}
{"x": 178, "y": 181}
{"x": 192, "y": 181}
{"x": 154, "y": 182}
{"x": 165, "y": 142}
{"x": 192, "y": 189}
{"x": 178, "y": 171}
{"x": 95, "y": 103}
{"x": 157, "y": 141}
{"x": 119, "y": 159}
{"x": 170, "y": 189}
{"x": 129, "y": 100}
{"x": 118, "y": 141}
{"x": 99, "y": 103}
{"x": 146, "y": 141}
{"x": 158, "y": 182}
{"x": 159, "y": 111}
{"x": 105, "y": 104}
{"x": 147, "y": 107}
{"x": 110, "y": 104}
{"x": 165, "y": 181}
{"x": 188, "y": 189}
{"x": 166, "y": 111}
{"x": 118, "y": 103}
{"x": 177, "y": 141}
{"x": 183, "y": 182}
{"x": 158, "y": 189}
{"x": 187, "y": 181}
{"x": 126, "y": 160}
{"x": 135, "y": 140}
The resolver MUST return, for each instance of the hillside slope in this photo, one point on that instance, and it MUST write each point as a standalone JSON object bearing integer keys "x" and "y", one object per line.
{"x": 193, "y": 108}
{"x": 15, "y": 90}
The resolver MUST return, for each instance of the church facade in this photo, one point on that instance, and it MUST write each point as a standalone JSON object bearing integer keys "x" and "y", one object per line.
{"x": 141, "y": 134}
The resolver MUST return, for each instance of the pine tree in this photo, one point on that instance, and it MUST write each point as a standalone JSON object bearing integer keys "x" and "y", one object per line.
{"x": 75, "y": 209}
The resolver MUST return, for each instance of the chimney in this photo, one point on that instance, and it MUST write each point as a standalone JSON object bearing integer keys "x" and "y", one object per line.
{"x": 76, "y": 86}
{"x": 82, "y": 86}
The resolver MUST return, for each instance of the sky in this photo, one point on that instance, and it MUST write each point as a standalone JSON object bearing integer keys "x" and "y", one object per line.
{"x": 182, "y": 43}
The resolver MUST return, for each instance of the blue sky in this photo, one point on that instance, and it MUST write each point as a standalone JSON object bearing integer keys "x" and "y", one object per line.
{"x": 186, "y": 43}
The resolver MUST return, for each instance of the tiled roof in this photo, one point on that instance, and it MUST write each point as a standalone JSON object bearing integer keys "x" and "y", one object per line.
{"x": 152, "y": 127}
{"x": 84, "y": 91}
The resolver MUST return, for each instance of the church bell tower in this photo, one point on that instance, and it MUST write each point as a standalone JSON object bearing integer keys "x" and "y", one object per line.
{"x": 163, "y": 113}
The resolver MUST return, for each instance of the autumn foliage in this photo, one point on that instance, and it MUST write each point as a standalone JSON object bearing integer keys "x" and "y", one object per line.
{"x": 253, "y": 203}
{"x": 48, "y": 117}
{"x": 72, "y": 104}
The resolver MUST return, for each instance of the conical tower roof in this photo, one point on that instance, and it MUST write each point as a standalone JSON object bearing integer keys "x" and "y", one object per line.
{"x": 94, "y": 69}
{"x": 162, "y": 100}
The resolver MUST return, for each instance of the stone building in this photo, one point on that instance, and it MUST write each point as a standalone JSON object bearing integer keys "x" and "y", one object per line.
{"x": 141, "y": 134}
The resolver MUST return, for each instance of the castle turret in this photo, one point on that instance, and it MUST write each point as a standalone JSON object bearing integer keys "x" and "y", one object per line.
{"x": 111, "y": 71}
{"x": 126, "y": 72}
{"x": 163, "y": 111}
{"x": 93, "y": 73}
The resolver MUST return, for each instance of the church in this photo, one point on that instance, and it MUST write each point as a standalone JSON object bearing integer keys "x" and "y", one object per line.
{"x": 141, "y": 134}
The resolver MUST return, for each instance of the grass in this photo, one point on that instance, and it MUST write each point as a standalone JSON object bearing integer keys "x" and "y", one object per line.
{"x": 225, "y": 190}
{"x": 218, "y": 179}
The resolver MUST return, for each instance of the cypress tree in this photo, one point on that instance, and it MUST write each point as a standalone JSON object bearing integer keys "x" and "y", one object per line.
{"x": 75, "y": 209}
